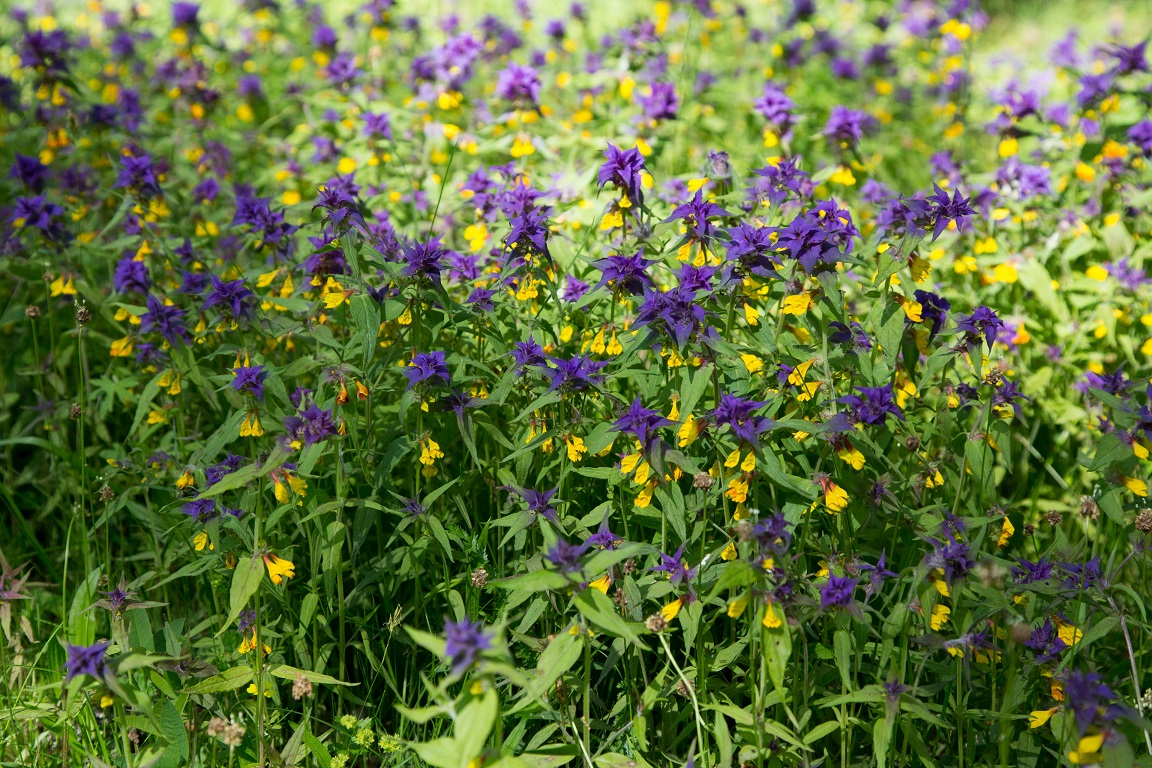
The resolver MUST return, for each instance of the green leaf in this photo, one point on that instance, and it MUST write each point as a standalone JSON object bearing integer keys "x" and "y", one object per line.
{"x": 245, "y": 581}
{"x": 474, "y": 724}
{"x": 1109, "y": 450}
{"x": 599, "y": 609}
{"x": 881, "y": 739}
{"x": 535, "y": 581}
{"x": 777, "y": 648}
{"x": 318, "y": 750}
{"x": 366, "y": 319}
{"x": 285, "y": 672}
{"x": 81, "y": 621}
{"x": 228, "y": 680}
{"x": 842, "y": 644}
{"x": 557, "y": 658}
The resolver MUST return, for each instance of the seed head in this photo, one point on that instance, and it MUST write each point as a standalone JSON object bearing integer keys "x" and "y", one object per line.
{"x": 479, "y": 578}
{"x": 1144, "y": 521}
{"x": 656, "y": 623}
{"x": 31, "y": 311}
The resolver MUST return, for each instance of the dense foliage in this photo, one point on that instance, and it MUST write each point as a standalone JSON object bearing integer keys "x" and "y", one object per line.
{"x": 753, "y": 386}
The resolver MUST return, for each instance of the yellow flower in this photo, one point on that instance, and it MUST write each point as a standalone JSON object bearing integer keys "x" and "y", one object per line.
{"x": 644, "y": 498}
{"x": 669, "y": 611}
{"x": 602, "y": 583}
{"x": 200, "y": 540}
{"x": 772, "y": 617}
{"x": 1088, "y": 750}
{"x": 1006, "y": 532}
{"x": 937, "y": 577}
{"x": 729, "y": 552}
{"x": 797, "y": 304}
{"x": 576, "y": 449}
{"x": 279, "y": 568}
{"x": 642, "y": 473}
{"x": 752, "y": 363}
{"x": 749, "y": 463}
{"x": 629, "y": 462}
{"x": 267, "y": 690}
{"x": 1136, "y": 485}
{"x": 1040, "y": 716}
{"x": 185, "y": 480}
{"x": 64, "y": 285}
{"x": 921, "y": 269}
{"x": 851, "y": 456}
{"x": 737, "y": 489}
{"x": 688, "y": 431}
{"x": 751, "y": 314}
{"x": 733, "y": 459}
{"x": 429, "y": 451}
{"x": 1067, "y": 632}
{"x": 940, "y": 615}
{"x": 737, "y": 606}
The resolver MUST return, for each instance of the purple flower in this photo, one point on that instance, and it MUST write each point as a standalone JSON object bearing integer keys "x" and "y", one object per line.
{"x": 565, "y": 556}
{"x": 603, "y": 538}
{"x": 837, "y": 593}
{"x": 311, "y": 426}
{"x": 695, "y": 214}
{"x": 1140, "y": 134}
{"x": 481, "y": 298}
{"x": 573, "y": 289}
{"x": 1090, "y": 700}
{"x": 643, "y": 423}
{"x": 465, "y": 640}
{"x": 426, "y": 366}
{"x": 676, "y": 568}
{"x": 138, "y": 175}
{"x": 622, "y": 170}
{"x": 231, "y": 295}
{"x": 519, "y": 84}
{"x": 934, "y": 310}
{"x": 200, "y": 510}
{"x": 131, "y": 276}
{"x": 216, "y": 472}
{"x": 38, "y": 213}
{"x": 1046, "y": 642}
{"x": 625, "y": 273}
{"x": 944, "y": 210}
{"x": 164, "y": 319}
{"x": 737, "y": 414}
{"x": 378, "y": 125}
{"x": 750, "y": 251}
{"x": 539, "y": 502}
{"x": 981, "y": 323}
{"x": 422, "y": 260}
{"x": 855, "y": 338}
{"x": 578, "y": 372}
{"x": 822, "y": 234}
{"x": 950, "y": 556}
{"x": 184, "y": 14}
{"x": 876, "y": 576}
{"x": 676, "y": 312}
{"x": 86, "y": 660}
{"x": 846, "y": 126}
{"x": 775, "y": 107}
{"x": 250, "y": 379}
{"x": 527, "y": 353}
{"x": 872, "y": 405}
{"x": 30, "y": 172}
{"x": 662, "y": 103}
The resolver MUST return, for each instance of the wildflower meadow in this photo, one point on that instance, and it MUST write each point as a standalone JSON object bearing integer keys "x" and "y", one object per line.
{"x": 614, "y": 385}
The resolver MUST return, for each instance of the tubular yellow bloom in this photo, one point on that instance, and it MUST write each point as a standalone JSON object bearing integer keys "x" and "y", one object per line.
{"x": 940, "y": 615}
{"x": 1006, "y": 532}
{"x": 773, "y": 618}
{"x": 729, "y": 552}
{"x": 576, "y": 448}
{"x": 737, "y": 606}
{"x": 279, "y": 568}
{"x": 669, "y": 611}
{"x": 1040, "y": 716}
{"x": 601, "y": 583}
{"x": 185, "y": 480}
